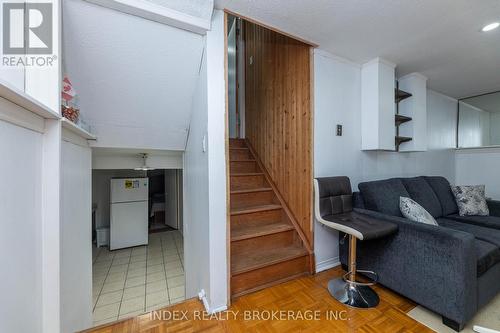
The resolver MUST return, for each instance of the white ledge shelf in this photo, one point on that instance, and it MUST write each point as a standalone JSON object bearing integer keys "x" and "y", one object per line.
{"x": 72, "y": 127}
{"x": 25, "y": 101}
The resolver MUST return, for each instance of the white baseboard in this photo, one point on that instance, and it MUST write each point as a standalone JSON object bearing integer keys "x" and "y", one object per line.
{"x": 327, "y": 264}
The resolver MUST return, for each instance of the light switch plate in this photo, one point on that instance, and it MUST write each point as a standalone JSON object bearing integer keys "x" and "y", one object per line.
{"x": 339, "y": 130}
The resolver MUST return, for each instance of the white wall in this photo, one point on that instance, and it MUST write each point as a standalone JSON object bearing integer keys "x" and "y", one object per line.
{"x": 135, "y": 78}
{"x": 474, "y": 126}
{"x": 111, "y": 160}
{"x": 337, "y": 99}
{"x": 76, "y": 239}
{"x": 495, "y": 128}
{"x": 205, "y": 178}
{"x": 217, "y": 127}
{"x": 479, "y": 166}
{"x": 196, "y": 223}
{"x": 21, "y": 234}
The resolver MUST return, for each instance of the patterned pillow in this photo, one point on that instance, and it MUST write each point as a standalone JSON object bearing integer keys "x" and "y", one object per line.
{"x": 471, "y": 200}
{"x": 414, "y": 212}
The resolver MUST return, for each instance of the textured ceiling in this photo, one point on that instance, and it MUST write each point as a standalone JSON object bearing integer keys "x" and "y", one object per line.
{"x": 135, "y": 78}
{"x": 438, "y": 38}
{"x": 198, "y": 8}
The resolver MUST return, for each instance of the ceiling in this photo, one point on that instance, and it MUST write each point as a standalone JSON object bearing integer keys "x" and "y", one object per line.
{"x": 135, "y": 78}
{"x": 490, "y": 102}
{"x": 440, "y": 39}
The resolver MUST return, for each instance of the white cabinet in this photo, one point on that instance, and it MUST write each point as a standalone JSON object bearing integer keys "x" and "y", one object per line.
{"x": 377, "y": 105}
{"x": 414, "y": 107}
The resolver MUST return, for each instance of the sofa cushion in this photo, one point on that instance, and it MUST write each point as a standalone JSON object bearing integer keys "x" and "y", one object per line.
{"x": 443, "y": 191}
{"x": 423, "y": 194}
{"x": 487, "y": 256}
{"x": 482, "y": 221}
{"x": 471, "y": 200}
{"x": 482, "y": 233}
{"x": 383, "y": 195}
{"x": 414, "y": 212}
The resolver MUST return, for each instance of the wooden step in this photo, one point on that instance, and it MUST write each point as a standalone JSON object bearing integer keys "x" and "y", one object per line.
{"x": 261, "y": 217}
{"x": 252, "y": 199}
{"x": 256, "y": 228}
{"x": 237, "y": 143}
{"x": 251, "y": 190}
{"x": 282, "y": 270}
{"x": 237, "y": 154}
{"x": 244, "y": 166}
{"x": 254, "y": 209}
{"x": 247, "y": 182}
{"x": 266, "y": 243}
{"x": 259, "y": 258}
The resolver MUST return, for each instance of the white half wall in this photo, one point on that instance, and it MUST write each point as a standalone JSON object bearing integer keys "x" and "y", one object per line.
{"x": 196, "y": 211}
{"x": 337, "y": 99}
{"x": 21, "y": 230}
{"x": 479, "y": 166}
{"x": 76, "y": 238}
{"x": 205, "y": 210}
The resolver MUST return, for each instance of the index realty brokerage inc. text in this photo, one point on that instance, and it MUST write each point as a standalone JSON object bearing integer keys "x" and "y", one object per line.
{"x": 250, "y": 315}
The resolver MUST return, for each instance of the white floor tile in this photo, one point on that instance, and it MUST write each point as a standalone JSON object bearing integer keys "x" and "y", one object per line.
{"x": 110, "y": 287}
{"x": 133, "y": 292}
{"x": 109, "y": 298}
{"x": 156, "y": 269}
{"x": 174, "y": 272}
{"x": 106, "y": 311}
{"x": 133, "y": 304}
{"x": 135, "y": 281}
{"x": 176, "y": 292}
{"x": 175, "y": 281}
{"x": 156, "y": 286}
{"x": 159, "y": 297}
{"x": 155, "y": 276}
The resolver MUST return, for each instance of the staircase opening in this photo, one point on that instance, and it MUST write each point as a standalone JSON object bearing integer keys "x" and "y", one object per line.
{"x": 270, "y": 156}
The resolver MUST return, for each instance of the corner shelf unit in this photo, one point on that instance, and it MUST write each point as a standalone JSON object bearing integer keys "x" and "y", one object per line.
{"x": 400, "y": 95}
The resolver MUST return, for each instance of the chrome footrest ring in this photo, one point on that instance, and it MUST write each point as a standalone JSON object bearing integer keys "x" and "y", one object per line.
{"x": 372, "y": 281}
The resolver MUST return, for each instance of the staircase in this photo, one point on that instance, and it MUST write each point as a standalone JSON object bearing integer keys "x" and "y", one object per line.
{"x": 266, "y": 247}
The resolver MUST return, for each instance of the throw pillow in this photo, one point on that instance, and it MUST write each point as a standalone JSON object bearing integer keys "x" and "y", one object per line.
{"x": 471, "y": 200}
{"x": 414, "y": 212}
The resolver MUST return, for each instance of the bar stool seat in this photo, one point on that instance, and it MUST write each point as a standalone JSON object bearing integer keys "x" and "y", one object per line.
{"x": 333, "y": 208}
{"x": 362, "y": 226}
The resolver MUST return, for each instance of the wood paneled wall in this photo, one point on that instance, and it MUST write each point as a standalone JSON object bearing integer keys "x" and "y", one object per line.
{"x": 278, "y": 115}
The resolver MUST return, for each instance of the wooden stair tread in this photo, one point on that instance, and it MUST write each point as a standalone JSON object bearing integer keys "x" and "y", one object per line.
{"x": 252, "y": 190}
{"x": 259, "y": 258}
{"x": 244, "y": 160}
{"x": 238, "y": 148}
{"x": 254, "y": 209}
{"x": 244, "y": 174}
{"x": 256, "y": 229}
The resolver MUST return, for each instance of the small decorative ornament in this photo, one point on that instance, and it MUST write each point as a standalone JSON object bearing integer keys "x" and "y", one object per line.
{"x": 68, "y": 93}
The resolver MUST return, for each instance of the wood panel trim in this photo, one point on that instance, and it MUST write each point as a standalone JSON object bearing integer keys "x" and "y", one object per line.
{"x": 270, "y": 27}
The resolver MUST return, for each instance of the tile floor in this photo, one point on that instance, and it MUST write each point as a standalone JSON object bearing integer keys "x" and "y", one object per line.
{"x": 132, "y": 281}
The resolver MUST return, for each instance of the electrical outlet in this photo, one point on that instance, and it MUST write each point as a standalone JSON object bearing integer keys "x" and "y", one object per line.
{"x": 339, "y": 130}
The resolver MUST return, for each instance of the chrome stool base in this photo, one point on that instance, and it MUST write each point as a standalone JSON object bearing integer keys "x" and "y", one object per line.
{"x": 353, "y": 294}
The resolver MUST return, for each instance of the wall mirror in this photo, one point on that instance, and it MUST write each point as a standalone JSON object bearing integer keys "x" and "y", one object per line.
{"x": 479, "y": 121}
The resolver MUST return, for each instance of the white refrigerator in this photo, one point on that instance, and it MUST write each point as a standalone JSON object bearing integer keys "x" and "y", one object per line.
{"x": 129, "y": 213}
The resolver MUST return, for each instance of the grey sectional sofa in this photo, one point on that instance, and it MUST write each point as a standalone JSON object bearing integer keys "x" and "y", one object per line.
{"x": 452, "y": 269}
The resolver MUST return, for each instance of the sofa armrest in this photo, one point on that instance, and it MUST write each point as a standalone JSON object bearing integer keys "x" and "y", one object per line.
{"x": 494, "y": 207}
{"x": 434, "y": 266}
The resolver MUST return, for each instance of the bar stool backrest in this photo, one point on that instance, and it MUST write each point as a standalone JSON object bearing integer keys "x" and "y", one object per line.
{"x": 335, "y": 195}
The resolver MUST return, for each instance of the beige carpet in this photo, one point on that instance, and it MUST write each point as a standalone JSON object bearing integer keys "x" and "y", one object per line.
{"x": 488, "y": 317}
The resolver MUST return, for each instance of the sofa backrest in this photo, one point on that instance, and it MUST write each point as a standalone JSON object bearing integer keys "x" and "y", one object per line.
{"x": 420, "y": 191}
{"x": 383, "y": 195}
{"x": 442, "y": 188}
{"x": 432, "y": 193}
